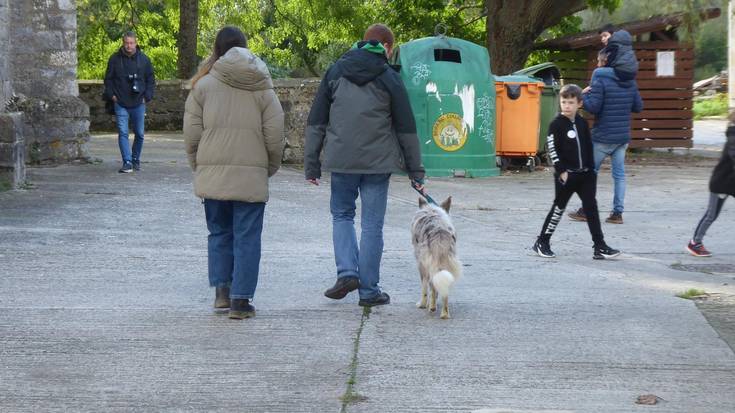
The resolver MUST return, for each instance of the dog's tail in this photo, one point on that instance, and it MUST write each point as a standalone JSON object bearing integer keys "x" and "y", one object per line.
{"x": 442, "y": 282}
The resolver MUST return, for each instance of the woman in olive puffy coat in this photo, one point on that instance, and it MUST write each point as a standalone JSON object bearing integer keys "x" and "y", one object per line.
{"x": 233, "y": 129}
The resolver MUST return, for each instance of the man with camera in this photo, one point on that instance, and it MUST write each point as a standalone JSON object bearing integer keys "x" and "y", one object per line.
{"x": 129, "y": 84}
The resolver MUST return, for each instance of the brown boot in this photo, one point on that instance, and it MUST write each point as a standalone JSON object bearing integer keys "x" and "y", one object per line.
{"x": 578, "y": 215}
{"x": 222, "y": 297}
{"x": 615, "y": 218}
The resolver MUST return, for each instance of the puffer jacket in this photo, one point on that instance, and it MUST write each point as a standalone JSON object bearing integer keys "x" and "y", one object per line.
{"x": 611, "y": 100}
{"x": 723, "y": 176}
{"x": 621, "y": 57}
{"x": 362, "y": 119}
{"x": 233, "y": 129}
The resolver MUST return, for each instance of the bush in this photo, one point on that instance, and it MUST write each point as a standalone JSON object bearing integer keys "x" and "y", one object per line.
{"x": 716, "y": 106}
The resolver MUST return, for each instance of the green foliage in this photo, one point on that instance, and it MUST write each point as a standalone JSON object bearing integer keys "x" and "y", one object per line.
{"x": 294, "y": 37}
{"x": 716, "y": 106}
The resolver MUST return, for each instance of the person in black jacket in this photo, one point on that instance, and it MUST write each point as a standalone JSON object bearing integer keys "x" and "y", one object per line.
{"x": 129, "y": 84}
{"x": 721, "y": 185}
{"x": 570, "y": 149}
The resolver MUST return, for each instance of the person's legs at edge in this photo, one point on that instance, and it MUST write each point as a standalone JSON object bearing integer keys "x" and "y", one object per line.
{"x": 714, "y": 206}
{"x": 617, "y": 159}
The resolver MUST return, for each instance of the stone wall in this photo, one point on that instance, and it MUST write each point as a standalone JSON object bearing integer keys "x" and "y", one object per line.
{"x": 5, "y": 91}
{"x": 41, "y": 73}
{"x": 166, "y": 111}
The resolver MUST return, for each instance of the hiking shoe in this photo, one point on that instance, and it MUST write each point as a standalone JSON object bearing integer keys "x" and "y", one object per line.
{"x": 222, "y": 297}
{"x": 698, "y": 249}
{"x": 615, "y": 218}
{"x": 380, "y": 299}
{"x": 604, "y": 252}
{"x": 241, "y": 308}
{"x": 342, "y": 287}
{"x": 136, "y": 166}
{"x": 578, "y": 215}
{"x": 543, "y": 249}
{"x": 126, "y": 168}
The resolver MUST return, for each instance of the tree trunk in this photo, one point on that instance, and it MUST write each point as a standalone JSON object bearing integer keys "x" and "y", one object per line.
{"x": 187, "y": 40}
{"x": 514, "y": 25}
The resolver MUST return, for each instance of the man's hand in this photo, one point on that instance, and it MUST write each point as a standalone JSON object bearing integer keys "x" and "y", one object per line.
{"x": 313, "y": 181}
{"x": 114, "y": 98}
{"x": 587, "y": 89}
{"x": 418, "y": 184}
{"x": 563, "y": 177}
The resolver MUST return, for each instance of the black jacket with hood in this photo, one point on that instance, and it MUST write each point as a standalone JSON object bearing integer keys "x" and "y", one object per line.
{"x": 570, "y": 145}
{"x": 362, "y": 119}
{"x": 620, "y": 55}
{"x": 118, "y": 82}
{"x": 723, "y": 176}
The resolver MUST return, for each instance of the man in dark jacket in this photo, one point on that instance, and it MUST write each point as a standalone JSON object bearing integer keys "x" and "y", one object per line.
{"x": 612, "y": 100}
{"x": 362, "y": 119}
{"x": 129, "y": 84}
{"x": 721, "y": 185}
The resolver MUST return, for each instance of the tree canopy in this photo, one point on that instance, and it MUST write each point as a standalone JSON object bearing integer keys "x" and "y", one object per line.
{"x": 302, "y": 37}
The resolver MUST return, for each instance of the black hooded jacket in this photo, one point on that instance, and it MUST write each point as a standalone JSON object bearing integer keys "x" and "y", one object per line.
{"x": 118, "y": 82}
{"x": 569, "y": 144}
{"x": 723, "y": 176}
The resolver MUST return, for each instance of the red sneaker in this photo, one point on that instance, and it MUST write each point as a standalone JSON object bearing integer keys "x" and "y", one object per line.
{"x": 698, "y": 250}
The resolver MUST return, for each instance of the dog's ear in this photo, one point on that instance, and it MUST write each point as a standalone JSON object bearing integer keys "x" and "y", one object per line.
{"x": 447, "y": 204}
{"x": 422, "y": 202}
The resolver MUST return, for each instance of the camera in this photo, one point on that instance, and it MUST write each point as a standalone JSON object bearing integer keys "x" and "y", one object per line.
{"x": 135, "y": 83}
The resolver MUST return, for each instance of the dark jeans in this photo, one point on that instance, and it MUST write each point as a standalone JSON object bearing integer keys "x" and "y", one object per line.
{"x": 123, "y": 117}
{"x": 234, "y": 245}
{"x": 583, "y": 184}
{"x": 713, "y": 210}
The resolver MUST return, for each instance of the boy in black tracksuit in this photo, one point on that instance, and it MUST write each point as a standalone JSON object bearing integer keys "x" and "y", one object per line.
{"x": 570, "y": 149}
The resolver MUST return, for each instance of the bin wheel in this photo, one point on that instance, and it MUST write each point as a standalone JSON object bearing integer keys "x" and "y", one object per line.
{"x": 531, "y": 163}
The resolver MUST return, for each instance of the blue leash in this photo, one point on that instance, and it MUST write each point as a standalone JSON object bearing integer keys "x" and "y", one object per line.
{"x": 429, "y": 199}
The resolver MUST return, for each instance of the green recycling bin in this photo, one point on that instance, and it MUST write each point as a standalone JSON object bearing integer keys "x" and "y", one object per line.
{"x": 453, "y": 100}
{"x": 549, "y": 73}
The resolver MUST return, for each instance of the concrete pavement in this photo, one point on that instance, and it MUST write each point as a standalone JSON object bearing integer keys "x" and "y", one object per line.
{"x": 104, "y": 304}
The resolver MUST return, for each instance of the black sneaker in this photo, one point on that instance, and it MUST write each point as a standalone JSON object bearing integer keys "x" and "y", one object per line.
{"x": 126, "y": 168}
{"x": 543, "y": 249}
{"x": 342, "y": 287}
{"x": 380, "y": 299}
{"x": 136, "y": 166}
{"x": 241, "y": 308}
{"x": 604, "y": 252}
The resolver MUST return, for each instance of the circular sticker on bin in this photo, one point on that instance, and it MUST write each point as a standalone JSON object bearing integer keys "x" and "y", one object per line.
{"x": 449, "y": 132}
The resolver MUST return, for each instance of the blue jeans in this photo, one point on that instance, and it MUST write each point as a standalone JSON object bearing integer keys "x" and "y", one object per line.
{"x": 362, "y": 262}
{"x": 616, "y": 152}
{"x": 233, "y": 245}
{"x": 122, "y": 116}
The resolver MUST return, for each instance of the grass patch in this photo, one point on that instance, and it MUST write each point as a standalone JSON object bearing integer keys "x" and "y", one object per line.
{"x": 716, "y": 106}
{"x": 351, "y": 396}
{"x": 691, "y": 293}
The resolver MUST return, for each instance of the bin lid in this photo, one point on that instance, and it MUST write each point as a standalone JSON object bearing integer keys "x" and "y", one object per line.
{"x": 548, "y": 72}
{"x": 517, "y": 79}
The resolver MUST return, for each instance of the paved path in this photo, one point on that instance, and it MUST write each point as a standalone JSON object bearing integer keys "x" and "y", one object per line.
{"x": 104, "y": 304}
